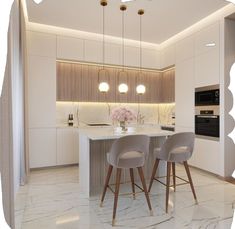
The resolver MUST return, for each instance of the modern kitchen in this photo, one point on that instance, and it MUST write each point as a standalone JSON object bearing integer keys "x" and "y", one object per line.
{"x": 126, "y": 115}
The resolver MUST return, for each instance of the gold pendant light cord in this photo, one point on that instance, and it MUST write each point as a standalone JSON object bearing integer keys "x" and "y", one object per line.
{"x": 103, "y": 36}
{"x": 123, "y": 41}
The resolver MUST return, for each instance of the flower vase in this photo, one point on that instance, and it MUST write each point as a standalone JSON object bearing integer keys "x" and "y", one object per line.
{"x": 123, "y": 126}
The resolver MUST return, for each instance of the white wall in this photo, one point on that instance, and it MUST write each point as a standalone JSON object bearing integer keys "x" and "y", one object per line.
{"x": 229, "y": 147}
{"x": 12, "y": 117}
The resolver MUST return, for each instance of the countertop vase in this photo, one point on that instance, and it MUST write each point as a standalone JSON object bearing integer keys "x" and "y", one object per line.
{"x": 123, "y": 126}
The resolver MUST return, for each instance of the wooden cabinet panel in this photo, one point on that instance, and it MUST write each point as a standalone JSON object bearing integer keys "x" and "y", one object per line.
{"x": 168, "y": 86}
{"x": 79, "y": 82}
{"x": 64, "y": 82}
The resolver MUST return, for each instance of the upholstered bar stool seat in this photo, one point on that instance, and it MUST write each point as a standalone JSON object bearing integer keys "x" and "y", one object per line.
{"x": 178, "y": 154}
{"x": 132, "y": 159}
{"x": 127, "y": 152}
{"x": 178, "y": 148}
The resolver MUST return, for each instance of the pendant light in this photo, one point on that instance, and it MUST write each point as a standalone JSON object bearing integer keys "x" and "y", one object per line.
{"x": 103, "y": 86}
{"x": 122, "y": 88}
{"x": 140, "y": 89}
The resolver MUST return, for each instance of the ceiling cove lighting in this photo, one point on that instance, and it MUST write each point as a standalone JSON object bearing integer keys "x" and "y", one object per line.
{"x": 123, "y": 88}
{"x": 140, "y": 89}
{"x": 232, "y": 1}
{"x": 103, "y": 86}
{"x": 37, "y": 1}
{"x": 210, "y": 44}
{"x": 127, "y": 1}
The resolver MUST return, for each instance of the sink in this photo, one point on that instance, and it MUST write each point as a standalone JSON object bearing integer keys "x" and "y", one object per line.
{"x": 98, "y": 124}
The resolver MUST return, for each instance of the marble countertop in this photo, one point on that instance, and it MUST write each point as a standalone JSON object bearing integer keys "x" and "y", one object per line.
{"x": 103, "y": 133}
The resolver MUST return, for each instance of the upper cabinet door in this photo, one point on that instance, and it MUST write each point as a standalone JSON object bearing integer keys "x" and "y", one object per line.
{"x": 41, "y": 44}
{"x": 132, "y": 56}
{"x": 113, "y": 54}
{"x": 42, "y": 91}
{"x": 208, "y": 35}
{"x": 69, "y": 48}
{"x": 185, "y": 49}
{"x": 93, "y": 51}
{"x": 168, "y": 56}
{"x": 151, "y": 58}
{"x": 207, "y": 59}
{"x": 168, "y": 86}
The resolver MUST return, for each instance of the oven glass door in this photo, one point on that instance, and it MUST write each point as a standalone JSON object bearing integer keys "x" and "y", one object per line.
{"x": 207, "y": 125}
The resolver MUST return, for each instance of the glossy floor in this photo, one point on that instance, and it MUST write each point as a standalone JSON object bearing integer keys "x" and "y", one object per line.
{"x": 52, "y": 199}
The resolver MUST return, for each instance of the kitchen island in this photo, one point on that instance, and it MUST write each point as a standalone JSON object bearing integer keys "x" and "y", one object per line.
{"x": 95, "y": 142}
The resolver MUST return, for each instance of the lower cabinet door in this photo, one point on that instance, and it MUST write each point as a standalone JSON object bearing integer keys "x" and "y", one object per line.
{"x": 42, "y": 147}
{"x": 67, "y": 146}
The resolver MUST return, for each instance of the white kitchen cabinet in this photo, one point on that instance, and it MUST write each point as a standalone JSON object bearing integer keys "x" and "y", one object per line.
{"x": 132, "y": 56}
{"x": 208, "y": 35}
{"x": 67, "y": 146}
{"x": 69, "y": 48}
{"x": 93, "y": 51}
{"x": 185, "y": 49}
{"x": 42, "y": 147}
{"x": 207, "y": 68}
{"x": 168, "y": 56}
{"x": 41, "y": 44}
{"x": 206, "y": 155}
{"x": 184, "y": 94}
{"x": 41, "y": 92}
{"x": 113, "y": 54}
{"x": 151, "y": 58}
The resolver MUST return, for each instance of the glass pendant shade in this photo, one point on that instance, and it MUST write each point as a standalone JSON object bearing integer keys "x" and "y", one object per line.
{"x": 103, "y": 87}
{"x": 123, "y": 88}
{"x": 140, "y": 89}
{"x": 38, "y": 1}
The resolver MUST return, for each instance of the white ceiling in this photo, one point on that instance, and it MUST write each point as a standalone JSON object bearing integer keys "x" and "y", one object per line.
{"x": 162, "y": 19}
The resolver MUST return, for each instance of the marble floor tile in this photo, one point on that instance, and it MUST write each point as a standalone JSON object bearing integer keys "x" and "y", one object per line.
{"x": 52, "y": 200}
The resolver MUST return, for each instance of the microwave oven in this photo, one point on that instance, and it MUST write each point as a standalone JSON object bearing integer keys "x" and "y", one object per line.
{"x": 209, "y": 97}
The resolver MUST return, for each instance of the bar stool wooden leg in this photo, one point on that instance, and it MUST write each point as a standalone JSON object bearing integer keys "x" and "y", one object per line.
{"x": 110, "y": 169}
{"x": 118, "y": 179}
{"x": 140, "y": 170}
{"x": 153, "y": 173}
{"x": 168, "y": 184}
{"x": 173, "y": 171}
{"x": 132, "y": 182}
{"x": 190, "y": 180}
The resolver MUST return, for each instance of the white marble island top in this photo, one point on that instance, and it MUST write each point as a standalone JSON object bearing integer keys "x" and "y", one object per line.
{"x": 104, "y": 133}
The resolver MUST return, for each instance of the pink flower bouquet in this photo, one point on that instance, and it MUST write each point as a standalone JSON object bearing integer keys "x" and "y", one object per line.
{"x": 123, "y": 114}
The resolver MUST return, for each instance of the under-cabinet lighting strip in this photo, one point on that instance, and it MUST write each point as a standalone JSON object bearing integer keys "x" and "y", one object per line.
{"x": 117, "y": 66}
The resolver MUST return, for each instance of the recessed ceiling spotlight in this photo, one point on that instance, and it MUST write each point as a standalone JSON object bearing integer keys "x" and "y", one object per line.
{"x": 127, "y": 0}
{"x": 38, "y": 1}
{"x": 210, "y": 44}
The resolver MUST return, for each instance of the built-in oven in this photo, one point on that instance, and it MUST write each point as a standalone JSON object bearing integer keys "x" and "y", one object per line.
{"x": 207, "y": 124}
{"x": 207, "y": 97}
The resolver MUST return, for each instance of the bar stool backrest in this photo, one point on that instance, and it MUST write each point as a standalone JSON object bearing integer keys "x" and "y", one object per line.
{"x": 184, "y": 140}
{"x": 139, "y": 143}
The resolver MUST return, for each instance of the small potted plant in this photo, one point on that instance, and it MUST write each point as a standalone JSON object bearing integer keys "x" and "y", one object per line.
{"x": 123, "y": 115}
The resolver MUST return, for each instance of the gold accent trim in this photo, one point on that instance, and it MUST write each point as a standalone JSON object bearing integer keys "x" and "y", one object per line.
{"x": 123, "y": 7}
{"x": 141, "y": 12}
{"x": 103, "y": 3}
{"x": 115, "y": 66}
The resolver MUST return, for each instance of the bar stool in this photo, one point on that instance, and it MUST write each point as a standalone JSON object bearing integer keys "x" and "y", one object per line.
{"x": 127, "y": 152}
{"x": 177, "y": 148}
